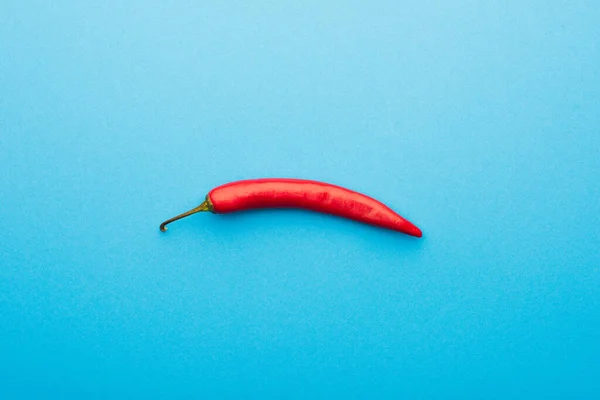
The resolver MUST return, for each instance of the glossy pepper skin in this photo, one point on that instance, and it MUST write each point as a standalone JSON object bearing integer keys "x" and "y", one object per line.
{"x": 305, "y": 194}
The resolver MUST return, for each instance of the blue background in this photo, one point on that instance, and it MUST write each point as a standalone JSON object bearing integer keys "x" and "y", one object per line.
{"x": 479, "y": 121}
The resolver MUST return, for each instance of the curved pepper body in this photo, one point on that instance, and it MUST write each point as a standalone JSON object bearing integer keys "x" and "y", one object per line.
{"x": 307, "y": 194}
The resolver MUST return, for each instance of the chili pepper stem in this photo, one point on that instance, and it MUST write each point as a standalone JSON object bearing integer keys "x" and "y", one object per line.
{"x": 205, "y": 206}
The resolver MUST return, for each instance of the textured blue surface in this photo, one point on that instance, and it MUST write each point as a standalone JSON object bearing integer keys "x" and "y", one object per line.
{"x": 479, "y": 121}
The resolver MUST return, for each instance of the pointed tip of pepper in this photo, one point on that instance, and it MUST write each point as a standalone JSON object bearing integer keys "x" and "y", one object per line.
{"x": 417, "y": 232}
{"x": 413, "y": 230}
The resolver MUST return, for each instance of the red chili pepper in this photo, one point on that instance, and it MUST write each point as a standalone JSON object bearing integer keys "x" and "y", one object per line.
{"x": 300, "y": 193}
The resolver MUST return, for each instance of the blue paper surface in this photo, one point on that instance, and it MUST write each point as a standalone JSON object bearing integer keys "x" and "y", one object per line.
{"x": 478, "y": 121}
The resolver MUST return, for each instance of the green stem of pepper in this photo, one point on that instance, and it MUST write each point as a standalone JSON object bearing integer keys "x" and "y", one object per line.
{"x": 205, "y": 206}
